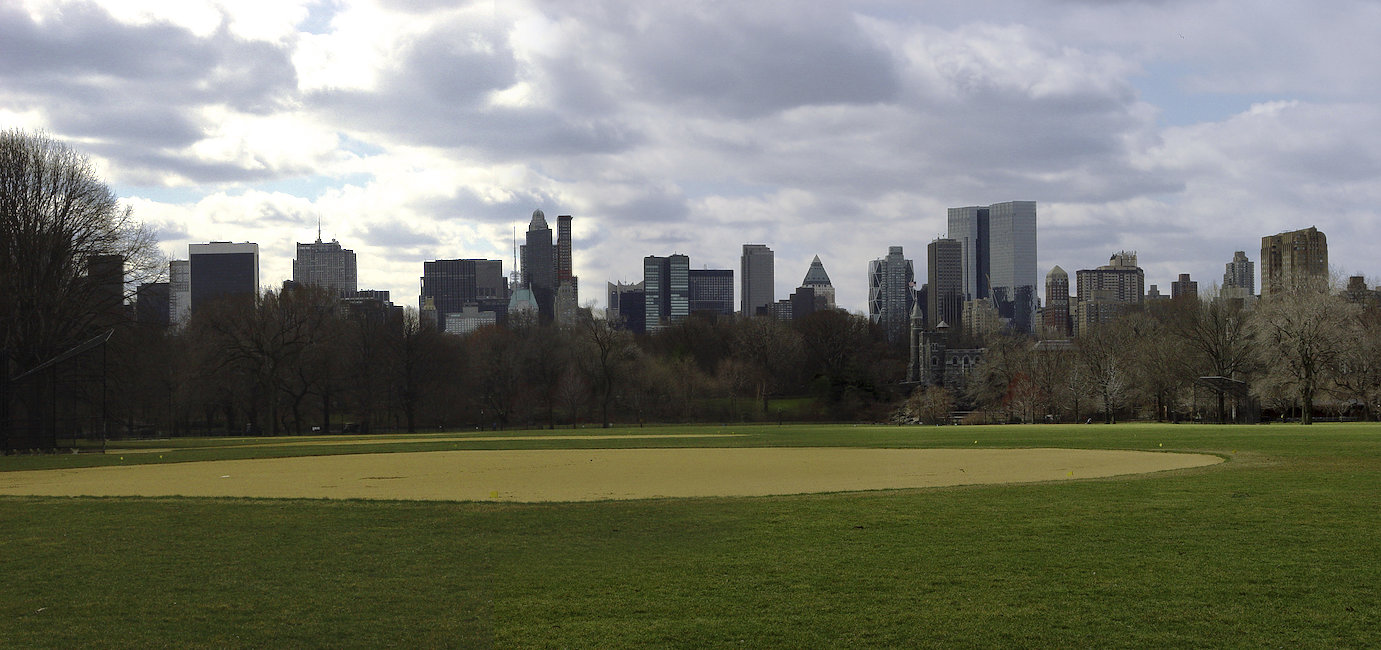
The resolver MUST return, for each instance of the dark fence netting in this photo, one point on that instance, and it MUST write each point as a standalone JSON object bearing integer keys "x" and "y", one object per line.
{"x": 59, "y": 405}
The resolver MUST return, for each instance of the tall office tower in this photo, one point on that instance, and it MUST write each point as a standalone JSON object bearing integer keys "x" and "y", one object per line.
{"x": 151, "y": 304}
{"x": 1108, "y": 292}
{"x": 567, "y": 285}
{"x": 1012, "y": 261}
{"x": 563, "y": 248}
{"x": 891, "y": 293}
{"x": 945, "y": 284}
{"x": 817, "y": 279}
{"x": 666, "y": 290}
{"x": 539, "y": 267}
{"x": 1240, "y": 273}
{"x": 1184, "y": 289}
{"x": 711, "y": 292}
{"x": 448, "y": 287}
{"x": 221, "y": 269}
{"x": 969, "y": 227}
{"x": 1055, "y": 317}
{"x": 1293, "y": 260}
{"x": 999, "y": 257}
{"x": 326, "y": 265}
{"x": 179, "y": 291}
{"x": 626, "y": 306}
{"x": 756, "y": 278}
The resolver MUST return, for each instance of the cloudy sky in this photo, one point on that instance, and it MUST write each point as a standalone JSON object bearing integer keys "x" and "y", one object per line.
{"x": 426, "y": 129}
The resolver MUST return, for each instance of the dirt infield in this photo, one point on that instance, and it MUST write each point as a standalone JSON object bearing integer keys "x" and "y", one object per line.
{"x": 594, "y": 474}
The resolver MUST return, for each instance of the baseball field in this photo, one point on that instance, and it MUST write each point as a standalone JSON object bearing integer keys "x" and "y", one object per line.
{"x": 801, "y": 536}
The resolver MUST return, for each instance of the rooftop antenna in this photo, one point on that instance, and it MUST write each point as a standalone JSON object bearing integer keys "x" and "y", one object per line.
{"x": 318, "y": 229}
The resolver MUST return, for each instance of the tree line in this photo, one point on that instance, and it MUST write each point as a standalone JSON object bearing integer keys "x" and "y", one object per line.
{"x": 296, "y": 360}
{"x": 1312, "y": 351}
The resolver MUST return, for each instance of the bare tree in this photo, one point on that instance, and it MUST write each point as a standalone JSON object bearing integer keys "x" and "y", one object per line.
{"x": 1103, "y": 366}
{"x": 1301, "y": 335}
{"x": 55, "y": 216}
{"x": 772, "y": 350}
{"x": 930, "y": 404}
{"x": 56, "y": 219}
{"x": 1220, "y": 339}
{"x": 605, "y": 358}
{"x": 1001, "y": 376}
{"x": 1358, "y": 370}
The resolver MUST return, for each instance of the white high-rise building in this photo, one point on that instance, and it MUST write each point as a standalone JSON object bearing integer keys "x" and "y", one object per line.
{"x": 327, "y": 265}
{"x": 998, "y": 250}
{"x": 179, "y": 291}
{"x": 891, "y": 292}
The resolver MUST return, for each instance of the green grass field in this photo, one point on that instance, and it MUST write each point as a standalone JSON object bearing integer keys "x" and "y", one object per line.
{"x": 1280, "y": 546}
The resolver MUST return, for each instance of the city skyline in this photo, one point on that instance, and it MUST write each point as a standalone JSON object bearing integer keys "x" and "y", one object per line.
{"x": 1175, "y": 129}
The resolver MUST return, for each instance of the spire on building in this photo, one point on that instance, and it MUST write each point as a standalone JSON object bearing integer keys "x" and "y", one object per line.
{"x": 816, "y": 275}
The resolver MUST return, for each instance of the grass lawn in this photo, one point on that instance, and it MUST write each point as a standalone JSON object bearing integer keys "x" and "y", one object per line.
{"x": 1280, "y": 546}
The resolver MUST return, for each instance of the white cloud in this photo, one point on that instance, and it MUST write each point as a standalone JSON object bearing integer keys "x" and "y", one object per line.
{"x": 423, "y": 130}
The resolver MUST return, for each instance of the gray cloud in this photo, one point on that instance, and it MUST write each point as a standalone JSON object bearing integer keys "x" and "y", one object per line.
{"x": 824, "y": 127}
{"x": 137, "y": 90}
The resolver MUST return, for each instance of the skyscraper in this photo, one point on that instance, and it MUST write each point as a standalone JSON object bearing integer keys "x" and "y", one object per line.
{"x": 326, "y": 265}
{"x": 627, "y": 305}
{"x": 451, "y": 286}
{"x": 1012, "y": 261}
{"x": 1294, "y": 260}
{"x": 945, "y": 282}
{"x": 891, "y": 287}
{"x": 969, "y": 227}
{"x": 666, "y": 290}
{"x": 567, "y": 285}
{"x": 1109, "y": 291}
{"x": 1240, "y": 273}
{"x": 1184, "y": 289}
{"x": 221, "y": 269}
{"x": 817, "y": 279}
{"x": 756, "y": 278}
{"x": 539, "y": 266}
{"x": 179, "y": 291}
{"x": 711, "y": 292}
{"x": 1055, "y": 317}
{"x": 999, "y": 257}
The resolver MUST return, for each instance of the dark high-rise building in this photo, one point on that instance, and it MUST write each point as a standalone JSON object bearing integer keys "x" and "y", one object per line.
{"x": 326, "y": 265}
{"x": 1055, "y": 320}
{"x": 757, "y": 279}
{"x": 1184, "y": 289}
{"x": 106, "y": 273}
{"x": 222, "y": 269}
{"x": 564, "y": 270}
{"x": 539, "y": 266}
{"x": 999, "y": 257}
{"x": 567, "y": 285}
{"x": 803, "y": 303}
{"x": 891, "y": 293}
{"x": 666, "y": 290}
{"x": 945, "y": 284}
{"x": 1293, "y": 260}
{"x": 627, "y": 306}
{"x": 151, "y": 304}
{"x": 711, "y": 292}
{"x": 449, "y": 286}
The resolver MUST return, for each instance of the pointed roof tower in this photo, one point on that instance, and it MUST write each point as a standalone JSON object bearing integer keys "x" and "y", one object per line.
{"x": 816, "y": 276}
